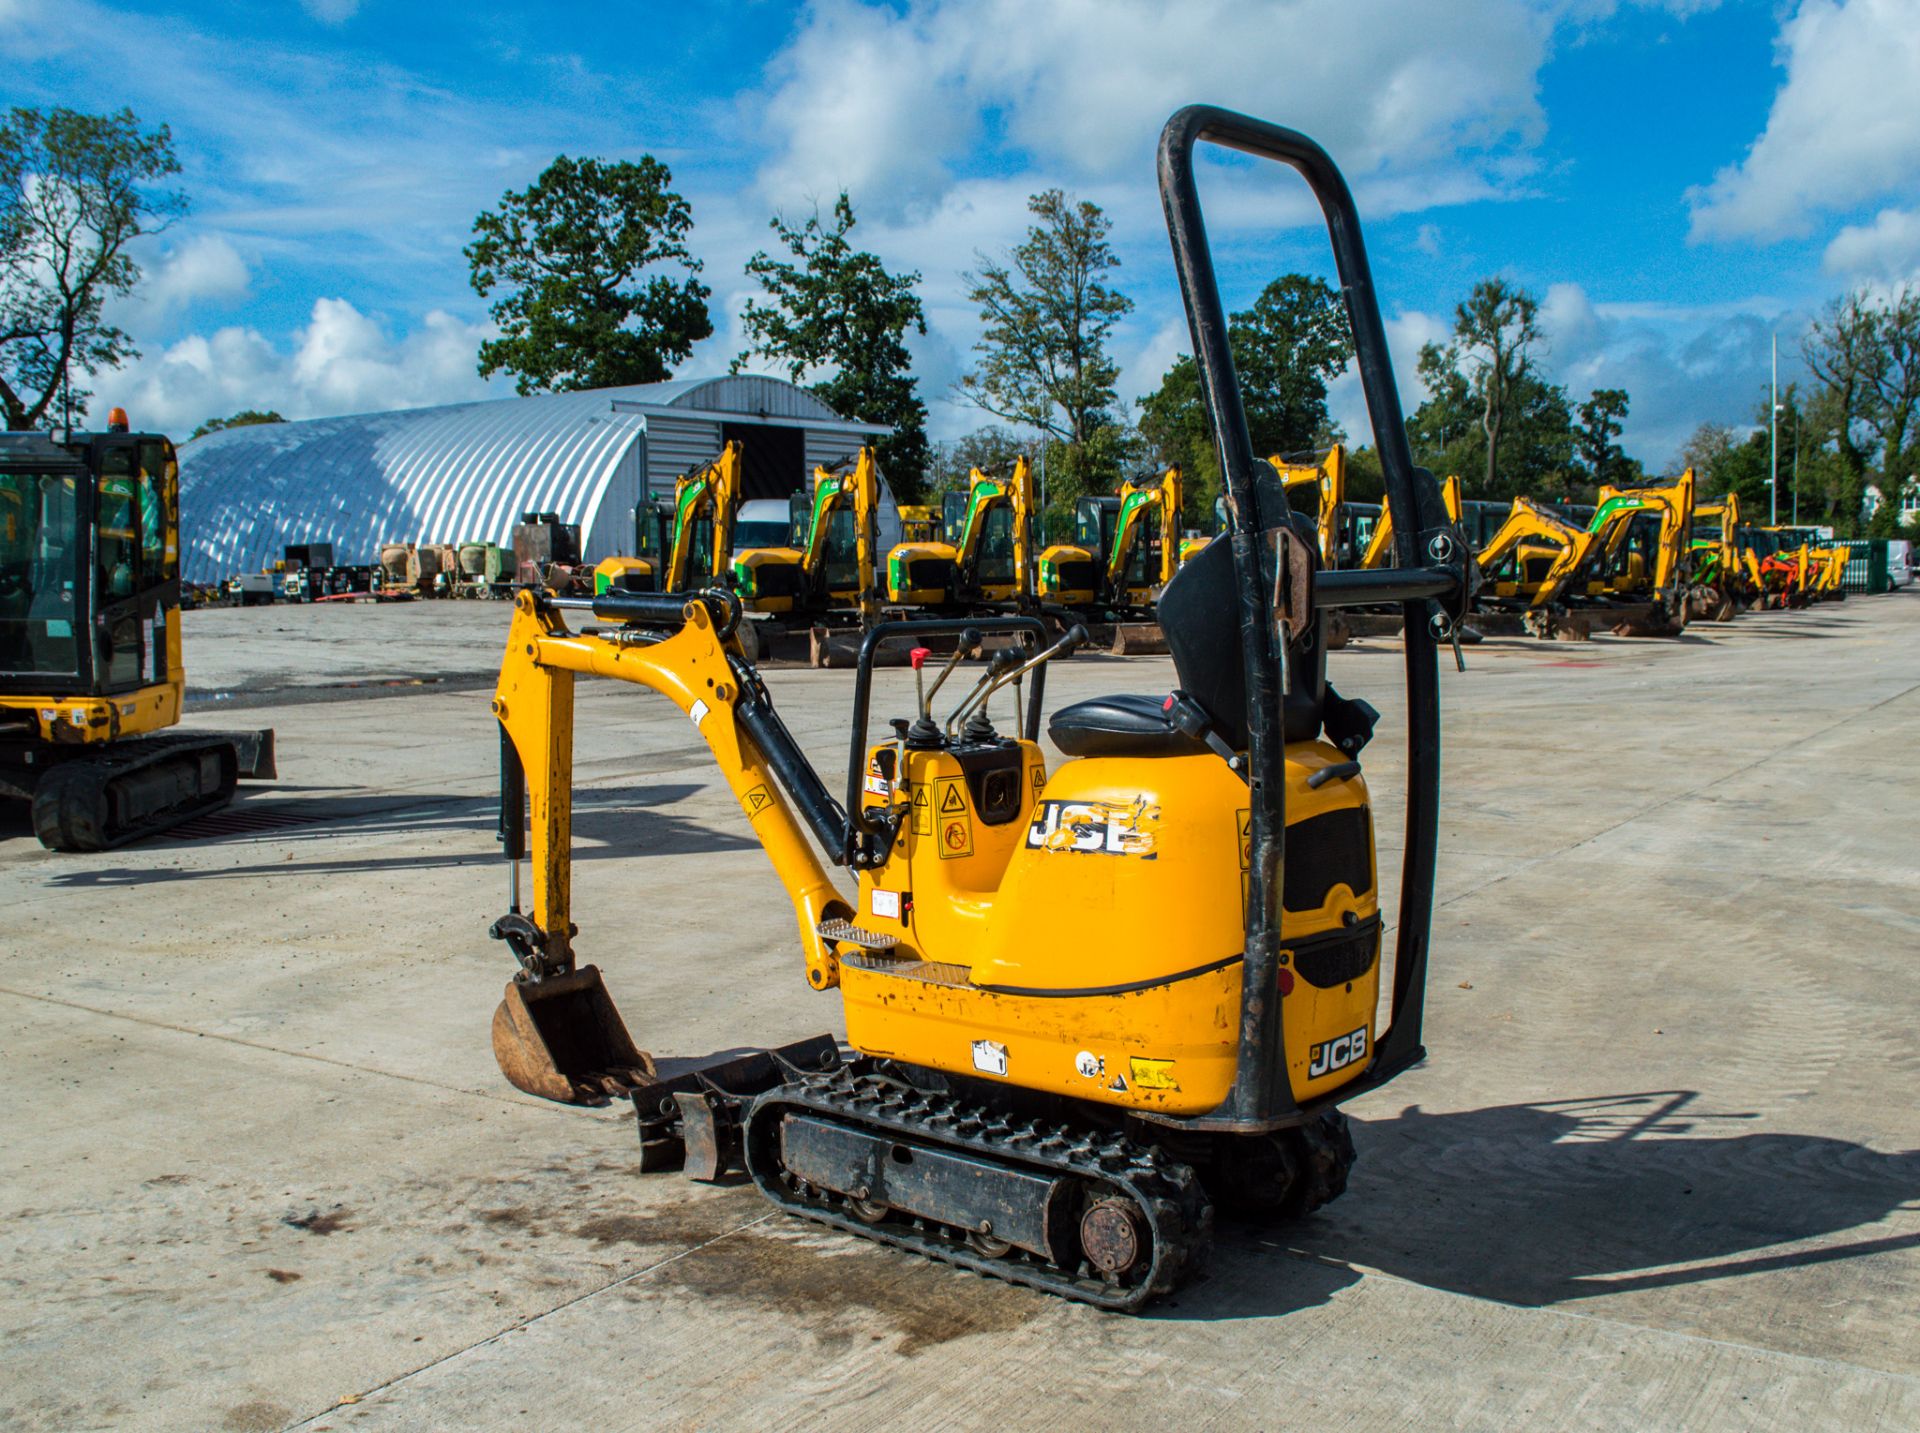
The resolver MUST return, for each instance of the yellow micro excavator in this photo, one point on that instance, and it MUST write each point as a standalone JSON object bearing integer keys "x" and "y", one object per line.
{"x": 828, "y": 565}
{"x": 1086, "y": 1005}
{"x": 1719, "y": 586}
{"x": 1532, "y": 525}
{"x": 1643, "y": 543}
{"x": 986, "y": 557}
{"x": 1125, "y": 549}
{"x": 690, "y": 548}
{"x": 90, "y": 664}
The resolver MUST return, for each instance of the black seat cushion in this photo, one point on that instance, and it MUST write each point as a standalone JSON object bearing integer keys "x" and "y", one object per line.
{"x": 1123, "y": 725}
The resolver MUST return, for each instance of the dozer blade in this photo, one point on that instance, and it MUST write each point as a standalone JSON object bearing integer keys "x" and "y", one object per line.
{"x": 562, "y": 1039}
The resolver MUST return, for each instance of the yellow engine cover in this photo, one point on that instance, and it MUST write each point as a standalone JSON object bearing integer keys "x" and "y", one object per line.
{"x": 1090, "y": 943}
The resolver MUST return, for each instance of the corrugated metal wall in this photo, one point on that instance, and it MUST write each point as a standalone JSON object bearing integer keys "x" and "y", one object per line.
{"x": 467, "y": 471}
{"x": 678, "y": 445}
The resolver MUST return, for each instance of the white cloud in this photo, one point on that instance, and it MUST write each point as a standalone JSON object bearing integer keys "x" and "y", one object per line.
{"x": 1844, "y": 128}
{"x": 888, "y": 102}
{"x": 203, "y": 267}
{"x": 1888, "y": 248}
{"x": 343, "y": 361}
{"x": 1680, "y": 368}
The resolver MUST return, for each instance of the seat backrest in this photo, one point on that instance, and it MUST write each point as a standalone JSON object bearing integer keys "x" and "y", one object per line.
{"x": 1200, "y": 616}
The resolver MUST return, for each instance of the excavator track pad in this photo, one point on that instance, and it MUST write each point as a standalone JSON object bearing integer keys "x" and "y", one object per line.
{"x": 1090, "y": 1215}
{"x": 137, "y": 788}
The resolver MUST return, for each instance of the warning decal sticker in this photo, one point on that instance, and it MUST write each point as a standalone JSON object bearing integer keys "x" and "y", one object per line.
{"x": 757, "y": 799}
{"x": 1152, "y": 1074}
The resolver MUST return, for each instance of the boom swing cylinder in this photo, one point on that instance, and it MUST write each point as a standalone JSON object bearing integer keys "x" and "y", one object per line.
{"x": 1084, "y": 1004}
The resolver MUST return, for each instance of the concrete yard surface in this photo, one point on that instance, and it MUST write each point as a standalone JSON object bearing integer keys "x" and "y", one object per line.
{"x": 1660, "y": 1170}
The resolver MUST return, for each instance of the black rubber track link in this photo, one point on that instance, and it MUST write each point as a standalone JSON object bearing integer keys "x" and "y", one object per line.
{"x": 1324, "y": 1147}
{"x": 1161, "y": 1190}
{"x": 132, "y": 790}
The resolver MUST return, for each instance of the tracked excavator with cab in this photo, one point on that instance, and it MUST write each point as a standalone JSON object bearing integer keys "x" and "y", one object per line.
{"x": 1125, "y": 549}
{"x": 828, "y": 565}
{"x": 1086, "y": 1004}
{"x": 984, "y": 560}
{"x": 91, "y": 674}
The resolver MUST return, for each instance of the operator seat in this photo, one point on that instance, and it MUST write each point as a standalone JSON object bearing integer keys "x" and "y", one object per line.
{"x": 1199, "y": 612}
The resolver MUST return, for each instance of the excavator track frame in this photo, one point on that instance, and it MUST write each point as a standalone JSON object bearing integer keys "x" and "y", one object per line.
{"x": 80, "y": 803}
{"x": 1130, "y": 1205}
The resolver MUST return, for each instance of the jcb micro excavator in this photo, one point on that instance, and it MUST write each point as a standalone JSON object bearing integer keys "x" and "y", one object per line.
{"x": 686, "y": 546}
{"x": 1642, "y": 546}
{"x": 1085, "y": 1005}
{"x": 1125, "y": 549}
{"x": 1719, "y": 586}
{"x": 1532, "y": 525}
{"x": 986, "y": 557}
{"x": 90, "y": 663}
{"x": 828, "y": 565}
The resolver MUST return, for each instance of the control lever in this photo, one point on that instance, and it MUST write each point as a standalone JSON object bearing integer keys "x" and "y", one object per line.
{"x": 924, "y": 733}
{"x": 998, "y": 676}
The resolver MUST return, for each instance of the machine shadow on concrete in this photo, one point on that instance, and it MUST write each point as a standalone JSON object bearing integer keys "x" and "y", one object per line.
{"x": 1557, "y": 1201}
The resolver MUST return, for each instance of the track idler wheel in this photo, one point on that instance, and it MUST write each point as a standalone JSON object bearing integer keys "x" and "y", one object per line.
{"x": 1114, "y": 1237}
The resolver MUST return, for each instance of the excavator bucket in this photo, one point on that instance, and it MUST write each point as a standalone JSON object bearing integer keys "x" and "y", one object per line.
{"x": 562, "y": 1039}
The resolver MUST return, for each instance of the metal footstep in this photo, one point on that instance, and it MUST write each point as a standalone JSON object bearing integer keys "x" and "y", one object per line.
{"x": 693, "y": 1120}
{"x": 844, "y": 930}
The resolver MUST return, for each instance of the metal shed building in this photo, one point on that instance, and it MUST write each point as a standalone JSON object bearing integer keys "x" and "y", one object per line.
{"x": 465, "y": 472}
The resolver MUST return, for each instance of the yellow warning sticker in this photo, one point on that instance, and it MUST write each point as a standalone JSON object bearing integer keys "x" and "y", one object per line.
{"x": 1246, "y": 839}
{"x": 922, "y": 812}
{"x": 757, "y": 799}
{"x": 1152, "y": 1074}
{"x": 1039, "y": 775}
{"x": 953, "y": 801}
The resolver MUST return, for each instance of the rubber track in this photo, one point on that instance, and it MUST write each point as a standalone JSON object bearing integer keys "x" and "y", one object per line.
{"x": 1166, "y": 1191}
{"x": 77, "y": 787}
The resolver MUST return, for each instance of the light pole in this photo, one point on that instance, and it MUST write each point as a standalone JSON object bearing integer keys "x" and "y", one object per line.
{"x": 1773, "y": 442}
{"x": 1796, "y": 467}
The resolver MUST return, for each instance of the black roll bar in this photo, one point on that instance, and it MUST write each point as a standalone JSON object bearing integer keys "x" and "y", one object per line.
{"x": 1261, "y": 1097}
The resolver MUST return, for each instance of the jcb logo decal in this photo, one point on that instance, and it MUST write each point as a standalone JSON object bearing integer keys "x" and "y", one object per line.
{"x": 1337, "y": 1054}
{"x": 1103, "y": 827}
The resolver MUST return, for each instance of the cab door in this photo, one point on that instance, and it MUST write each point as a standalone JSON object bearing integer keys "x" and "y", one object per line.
{"x": 135, "y": 570}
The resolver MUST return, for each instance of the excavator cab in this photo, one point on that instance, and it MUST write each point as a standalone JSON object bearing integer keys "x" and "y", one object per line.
{"x": 90, "y": 663}
{"x": 57, "y": 586}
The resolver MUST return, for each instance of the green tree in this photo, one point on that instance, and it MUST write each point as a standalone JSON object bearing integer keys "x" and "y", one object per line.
{"x": 1046, "y": 315}
{"x": 990, "y": 449}
{"x": 1286, "y": 348}
{"x": 245, "y": 418}
{"x": 1603, "y": 460}
{"x": 578, "y": 255}
{"x": 1842, "y": 349}
{"x": 1494, "y": 330}
{"x": 838, "y": 315}
{"x": 76, "y": 190}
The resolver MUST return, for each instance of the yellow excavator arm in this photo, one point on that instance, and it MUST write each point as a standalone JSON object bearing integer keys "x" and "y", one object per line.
{"x": 1327, "y": 474}
{"x": 710, "y": 494}
{"x": 1380, "y": 545}
{"x": 534, "y": 704}
{"x": 1529, "y": 519}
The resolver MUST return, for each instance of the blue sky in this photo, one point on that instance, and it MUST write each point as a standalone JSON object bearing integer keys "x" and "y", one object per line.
{"x": 1677, "y": 179}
